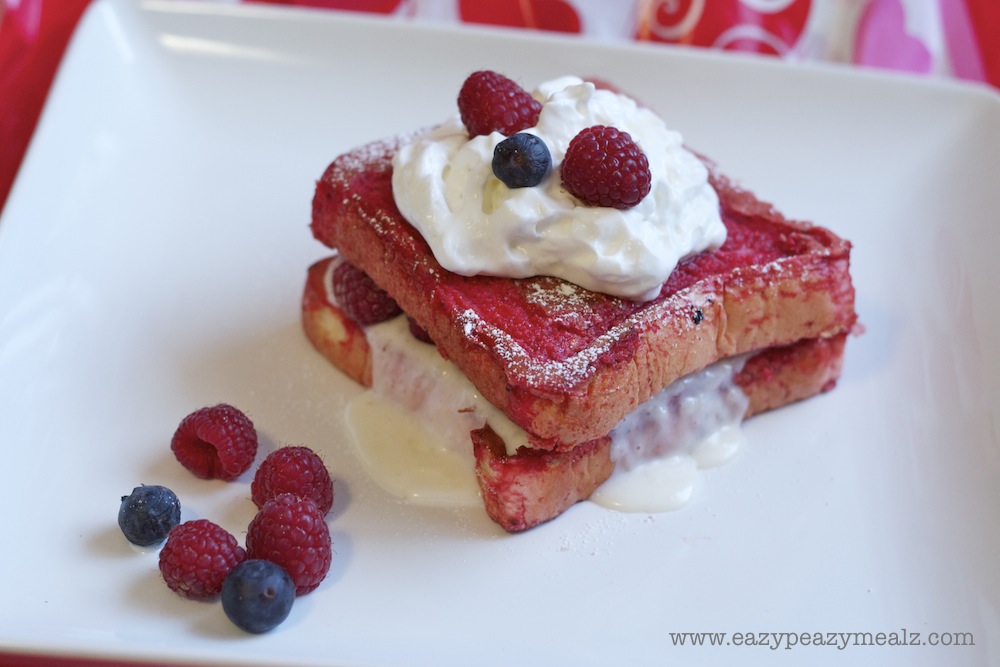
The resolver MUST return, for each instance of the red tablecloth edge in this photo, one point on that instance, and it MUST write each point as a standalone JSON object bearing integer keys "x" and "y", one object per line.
{"x": 34, "y": 660}
{"x": 33, "y": 37}
{"x": 984, "y": 17}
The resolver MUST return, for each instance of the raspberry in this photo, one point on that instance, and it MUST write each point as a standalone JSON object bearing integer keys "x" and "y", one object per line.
{"x": 418, "y": 331}
{"x": 491, "y": 102}
{"x": 147, "y": 515}
{"x": 521, "y": 160}
{"x": 604, "y": 167}
{"x": 196, "y": 558}
{"x": 296, "y": 470}
{"x": 217, "y": 442}
{"x": 257, "y": 595}
{"x": 290, "y": 531}
{"x": 359, "y": 296}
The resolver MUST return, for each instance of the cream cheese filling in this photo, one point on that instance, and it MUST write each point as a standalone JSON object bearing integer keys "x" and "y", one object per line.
{"x": 411, "y": 430}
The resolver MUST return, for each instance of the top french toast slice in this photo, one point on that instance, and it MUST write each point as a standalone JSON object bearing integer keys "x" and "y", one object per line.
{"x": 567, "y": 364}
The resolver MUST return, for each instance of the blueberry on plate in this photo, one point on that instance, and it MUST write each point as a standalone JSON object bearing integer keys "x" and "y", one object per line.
{"x": 148, "y": 514}
{"x": 521, "y": 160}
{"x": 257, "y": 595}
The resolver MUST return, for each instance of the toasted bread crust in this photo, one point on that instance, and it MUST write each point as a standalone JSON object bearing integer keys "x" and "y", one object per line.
{"x": 777, "y": 376}
{"x": 532, "y": 487}
{"x": 335, "y": 335}
{"x": 568, "y": 368}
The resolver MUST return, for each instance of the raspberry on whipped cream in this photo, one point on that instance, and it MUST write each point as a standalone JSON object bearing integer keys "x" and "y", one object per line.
{"x": 444, "y": 186}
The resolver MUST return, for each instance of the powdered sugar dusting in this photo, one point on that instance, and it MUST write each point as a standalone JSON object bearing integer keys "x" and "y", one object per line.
{"x": 468, "y": 320}
{"x": 563, "y": 303}
{"x": 595, "y": 538}
{"x": 369, "y": 157}
{"x": 549, "y": 373}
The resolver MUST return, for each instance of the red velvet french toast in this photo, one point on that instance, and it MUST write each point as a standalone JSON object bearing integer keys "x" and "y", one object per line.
{"x": 566, "y": 363}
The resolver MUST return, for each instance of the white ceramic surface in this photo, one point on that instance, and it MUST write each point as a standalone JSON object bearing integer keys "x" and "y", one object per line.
{"x": 151, "y": 259}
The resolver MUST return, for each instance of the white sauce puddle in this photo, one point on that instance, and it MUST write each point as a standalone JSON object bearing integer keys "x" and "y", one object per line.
{"x": 406, "y": 459}
{"x": 668, "y": 483}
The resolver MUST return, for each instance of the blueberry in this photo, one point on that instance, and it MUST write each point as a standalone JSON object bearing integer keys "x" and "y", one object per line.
{"x": 521, "y": 160}
{"x": 257, "y": 595}
{"x": 148, "y": 514}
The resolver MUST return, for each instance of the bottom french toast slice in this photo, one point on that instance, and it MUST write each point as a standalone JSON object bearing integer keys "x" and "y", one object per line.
{"x": 523, "y": 489}
{"x": 531, "y": 487}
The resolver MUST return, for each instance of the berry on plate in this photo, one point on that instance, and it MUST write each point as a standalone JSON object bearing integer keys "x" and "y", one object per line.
{"x": 217, "y": 442}
{"x": 297, "y": 470}
{"x": 418, "y": 331}
{"x": 197, "y": 557}
{"x": 603, "y": 166}
{"x": 147, "y": 515}
{"x": 359, "y": 296}
{"x": 521, "y": 160}
{"x": 257, "y": 595}
{"x": 291, "y": 531}
{"x": 490, "y": 102}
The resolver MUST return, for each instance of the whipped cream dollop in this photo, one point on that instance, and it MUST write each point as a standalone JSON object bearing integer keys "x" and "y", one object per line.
{"x": 444, "y": 185}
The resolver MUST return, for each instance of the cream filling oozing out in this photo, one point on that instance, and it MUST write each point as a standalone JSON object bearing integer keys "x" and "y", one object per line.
{"x": 411, "y": 430}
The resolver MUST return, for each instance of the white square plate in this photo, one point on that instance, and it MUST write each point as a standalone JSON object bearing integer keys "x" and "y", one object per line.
{"x": 151, "y": 260}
